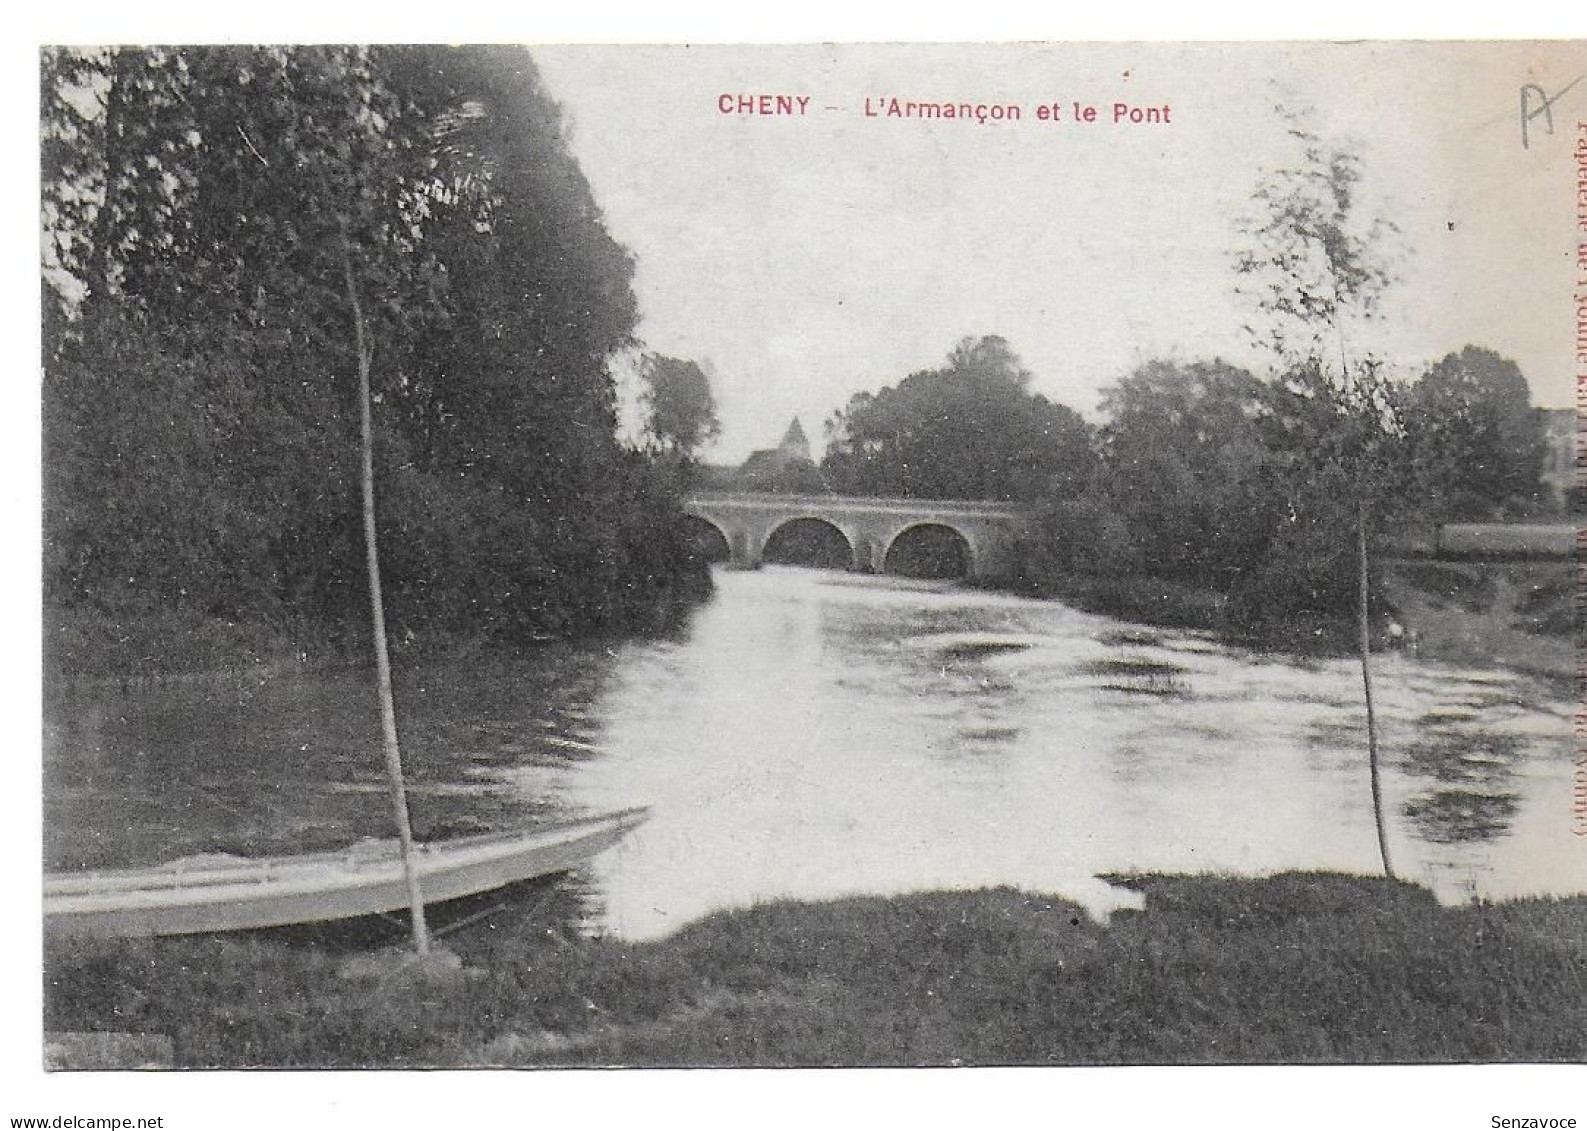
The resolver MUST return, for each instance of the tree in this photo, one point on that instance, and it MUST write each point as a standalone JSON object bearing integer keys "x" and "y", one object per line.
{"x": 198, "y": 338}
{"x": 1474, "y": 436}
{"x": 969, "y": 430}
{"x": 278, "y": 276}
{"x": 1330, "y": 446}
{"x": 682, "y": 411}
{"x": 1187, "y": 469}
{"x": 196, "y": 270}
{"x": 1315, "y": 269}
{"x": 1312, "y": 264}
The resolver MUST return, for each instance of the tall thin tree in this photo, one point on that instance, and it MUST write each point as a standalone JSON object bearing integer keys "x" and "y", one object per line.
{"x": 1314, "y": 267}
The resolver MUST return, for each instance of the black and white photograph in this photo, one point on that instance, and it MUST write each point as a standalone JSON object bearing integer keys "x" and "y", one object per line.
{"x": 810, "y": 556}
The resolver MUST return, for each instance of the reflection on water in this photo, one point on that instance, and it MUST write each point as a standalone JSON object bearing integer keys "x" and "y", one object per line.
{"x": 814, "y": 734}
{"x": 1140, "y": 676}
{"x": 811, "y": 739}
{"x": 293, "y": 762}
{"x": 1452, "y": 816}
{"x": 1473, "y": 768}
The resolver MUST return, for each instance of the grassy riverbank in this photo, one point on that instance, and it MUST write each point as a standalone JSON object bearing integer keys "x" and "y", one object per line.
{"x": 1518, "y": 614}
{"x": 1296, "y": 968}
{"x": 1512, "y": 614}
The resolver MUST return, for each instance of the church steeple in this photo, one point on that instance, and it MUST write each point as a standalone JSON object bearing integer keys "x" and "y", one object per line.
{"x": 794, "y": 443}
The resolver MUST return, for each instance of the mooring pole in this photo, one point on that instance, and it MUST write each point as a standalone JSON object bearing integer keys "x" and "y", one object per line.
{"x": 1364, "y": 622}
{"x": 377, "y": 609}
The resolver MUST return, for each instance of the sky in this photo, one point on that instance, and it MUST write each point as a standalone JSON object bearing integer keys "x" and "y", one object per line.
{"x": 804, "y": 258}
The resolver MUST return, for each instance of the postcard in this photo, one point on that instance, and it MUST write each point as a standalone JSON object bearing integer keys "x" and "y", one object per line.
{"x": 953, "y": 556}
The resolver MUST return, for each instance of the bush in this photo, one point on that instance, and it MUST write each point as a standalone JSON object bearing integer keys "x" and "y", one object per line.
{"x": 1083, "y": 535}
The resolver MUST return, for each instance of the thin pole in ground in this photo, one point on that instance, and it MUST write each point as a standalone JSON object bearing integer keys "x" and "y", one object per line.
{"x": 377, "y": 609}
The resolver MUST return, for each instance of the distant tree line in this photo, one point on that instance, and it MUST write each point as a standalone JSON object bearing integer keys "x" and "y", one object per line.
{"x": 1203, "y": 477}
{"x": 1247, "y": 488}
{"x": 1209, "y": 494}
{"x": 971, "y": 429}
{"x": 210, "y": 216}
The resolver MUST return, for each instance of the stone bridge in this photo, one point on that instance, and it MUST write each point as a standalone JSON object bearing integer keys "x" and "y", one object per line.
{"x": 871, "y": 527}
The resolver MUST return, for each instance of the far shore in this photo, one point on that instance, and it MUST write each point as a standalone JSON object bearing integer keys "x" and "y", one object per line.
{"x": 1516, "y": 615}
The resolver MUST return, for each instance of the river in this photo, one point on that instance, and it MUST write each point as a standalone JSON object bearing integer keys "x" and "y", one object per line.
{"x": 812, "y": 734}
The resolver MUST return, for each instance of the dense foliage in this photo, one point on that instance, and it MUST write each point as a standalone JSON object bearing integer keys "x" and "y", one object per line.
{"x": 1209, "y": 493}
{"x": 682, "y": 409}
{"x": 1222, "y": 482}
{"x": 1262, "y": 491}
{"x": 969, "y": 430}
{"x": 1188, "y": 472}
{"x": 1474, "y": 436}
{"x": 210, "y": 214}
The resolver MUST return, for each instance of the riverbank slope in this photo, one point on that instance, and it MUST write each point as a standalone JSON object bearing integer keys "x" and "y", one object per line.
{"x": 1516, "y": 614}
{"x": 1299, "y": 967}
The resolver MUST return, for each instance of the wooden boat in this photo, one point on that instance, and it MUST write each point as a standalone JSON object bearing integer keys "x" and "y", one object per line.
{"x": 202, "y": 894}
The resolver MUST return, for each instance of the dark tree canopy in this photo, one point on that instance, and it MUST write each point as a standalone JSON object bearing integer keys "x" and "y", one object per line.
{"x": 199, "y": 371}
{"x": 1214, "y": 479}
{"x": 1316, "y": 266}
{"x": 1333, "y": 447}
{"x": 969, "y": 430}
{"x": 682, "y": 408}
{"x": 1187, "y": 470}
{"x": 1474, "y": 435}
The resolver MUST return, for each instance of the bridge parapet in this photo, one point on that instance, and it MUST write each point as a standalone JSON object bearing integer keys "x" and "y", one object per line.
{"x": 854, "y": 504}
{"x": 869, "y": 525}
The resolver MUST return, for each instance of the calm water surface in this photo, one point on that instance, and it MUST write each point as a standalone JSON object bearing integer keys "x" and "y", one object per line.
{"x": 814, "y": 734}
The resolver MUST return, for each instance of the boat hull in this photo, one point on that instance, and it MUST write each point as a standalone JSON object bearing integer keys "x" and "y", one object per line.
{"x": 234, "y": 894}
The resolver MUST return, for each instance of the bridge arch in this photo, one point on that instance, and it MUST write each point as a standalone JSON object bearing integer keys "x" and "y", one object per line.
{"x": 930, "y": 548}
{"x": 868, "y": 525}
{"x": 808, "y": 540}
{"x": 707, "y": 538}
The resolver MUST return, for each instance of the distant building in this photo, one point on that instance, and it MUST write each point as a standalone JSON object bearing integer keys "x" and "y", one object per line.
{"x": 794, "y": 447}
{"x": 1557, "y": 427}
{"x": 786, "y": 469}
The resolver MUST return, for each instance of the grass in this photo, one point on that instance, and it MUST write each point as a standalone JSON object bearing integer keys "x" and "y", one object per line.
{"x": 1517, "y": 614}
{"x": 1301, "y": 967}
